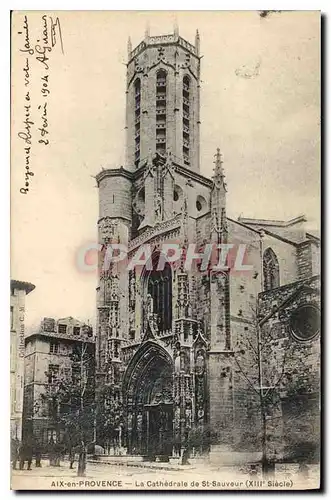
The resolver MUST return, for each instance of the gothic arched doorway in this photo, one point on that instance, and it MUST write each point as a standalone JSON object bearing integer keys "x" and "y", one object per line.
{"x": 148, "y": 393}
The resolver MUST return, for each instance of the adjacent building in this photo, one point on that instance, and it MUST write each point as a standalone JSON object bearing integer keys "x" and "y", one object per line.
{"x": 169, "y": 340}
{"x": 19, "y": 290}
{"x": 57, "y": 352}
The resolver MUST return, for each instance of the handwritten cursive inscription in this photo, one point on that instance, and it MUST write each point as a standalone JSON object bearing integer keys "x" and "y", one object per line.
{"x": 27, "y": 45}
{"x": 26, "y": 137}
{"x": 56, "y": 31}
{"x": 42, "y": 52}
{"x": 26, "y": 70}
{"x": 43, "y": 129}
{"x": 37, "y": 46}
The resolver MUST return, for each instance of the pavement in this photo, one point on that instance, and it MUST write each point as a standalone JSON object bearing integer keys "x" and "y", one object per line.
{"x": 98, "y": 476}
{"x": 146, "y": 476}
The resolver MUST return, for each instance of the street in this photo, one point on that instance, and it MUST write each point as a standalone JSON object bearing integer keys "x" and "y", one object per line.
{"x": 121, "y": 477}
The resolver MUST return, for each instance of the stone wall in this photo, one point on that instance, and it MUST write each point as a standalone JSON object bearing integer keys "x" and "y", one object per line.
{"x": 293, "y": 365}
{"x": 304, "y": 259}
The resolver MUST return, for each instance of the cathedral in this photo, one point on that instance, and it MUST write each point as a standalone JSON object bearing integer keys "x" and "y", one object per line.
{"x": 169, "y": 349}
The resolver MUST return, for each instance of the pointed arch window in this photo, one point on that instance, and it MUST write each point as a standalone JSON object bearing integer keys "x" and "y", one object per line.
{"x": 186, "y": 120}
{"x": 161, "y": 111}
{"x": 137, "y": 96}
{"x": 158, "y": 295}
{"x": 270, "y": 270}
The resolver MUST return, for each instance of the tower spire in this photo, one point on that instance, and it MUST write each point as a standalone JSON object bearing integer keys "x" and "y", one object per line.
{"x": 219, "y": 175}
{"x": 197, "y": 42}
{"x": 218, "y": 198}
{"x": 176, "y": 28}
{"x": 129, "y": 46}
{"x": 147, "y": 30}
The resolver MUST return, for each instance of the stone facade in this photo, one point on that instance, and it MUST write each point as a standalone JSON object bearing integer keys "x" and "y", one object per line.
{"x": 19, "y": 290}
{"x": 168, "y": 341}
{"x": 48, "y": 358}
{"x": 293, "y": 330}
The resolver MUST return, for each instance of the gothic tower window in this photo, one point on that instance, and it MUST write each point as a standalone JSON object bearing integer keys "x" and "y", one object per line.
{"x": 161, "y": 110}
{"x": 137, "y": 94}
{"x": 186, "y": 120}
{"x": 158, "y": 296}
{"x": 270, "y": 270}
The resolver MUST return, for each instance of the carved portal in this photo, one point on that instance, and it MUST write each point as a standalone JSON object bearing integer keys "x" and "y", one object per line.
{"x": 148, "y": 388}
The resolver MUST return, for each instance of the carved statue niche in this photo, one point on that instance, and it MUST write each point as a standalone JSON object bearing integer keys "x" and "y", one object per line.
{"x": 177, "y": 360}
{"x": 177, "y": 418}
{"x": 138, "y": 203}
{"x": 200, "y": 363}
{"x": 200, "y": 390}
{"x": 188, "y": 417}
{"x": 185, "y": 361}
{"x": 158, "y": 207}
{"x": 132, "y": 289}
{"x": 132, "y": 299}
{"x": 150, "y": 318}
{"x": 221, "y": 282}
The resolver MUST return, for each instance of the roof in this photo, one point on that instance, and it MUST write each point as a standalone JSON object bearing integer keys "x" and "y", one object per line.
{"x": 271, "y": 222}
{"x": 291, "y": 231}
{"x": 134, "y": 175}
{"x": 170, "y": 39}
{"x": 49, "y": 327}
{"x": 58, "y": 336}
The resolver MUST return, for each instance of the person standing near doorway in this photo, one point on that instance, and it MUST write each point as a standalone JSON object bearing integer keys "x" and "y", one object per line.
{"x": 37, "y": 452}
{"x": 26, "y": 454}
{"x": 14, "y": 451}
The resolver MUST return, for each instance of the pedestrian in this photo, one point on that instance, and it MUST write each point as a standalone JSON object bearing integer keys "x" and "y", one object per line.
{"x": 14, "y": 451}
{"x": 29, "y": 452}
{"x": 26, "y": 454}
{"x": 58, "y": 450}
{"x": 186, "y": 451}
{"x": 21, "y": 456}
{"x": 51, "y": 451}
{"x": 71, "y": 456}
{"x": 37, "y": 452}
{"x": 82, "y": 459}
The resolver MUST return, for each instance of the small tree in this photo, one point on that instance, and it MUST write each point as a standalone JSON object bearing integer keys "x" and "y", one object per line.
{"x": 49, "y": 405}
{"x": 252, "y": 354}
{"x": 70, "y": 402}
{"x": 302, "y": 412}
{"x": 109, "y": 417}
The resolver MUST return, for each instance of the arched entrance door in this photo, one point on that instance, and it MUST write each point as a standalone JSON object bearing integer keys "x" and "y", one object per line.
{"x": 148, "y": 390}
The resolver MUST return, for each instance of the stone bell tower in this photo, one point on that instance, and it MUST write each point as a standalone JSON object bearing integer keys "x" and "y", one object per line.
{"x": 155, "y": 327}
{"x": 163, "y": 100}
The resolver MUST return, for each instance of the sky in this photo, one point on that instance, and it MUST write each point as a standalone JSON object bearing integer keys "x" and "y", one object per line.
{"x": 260, "y": 104}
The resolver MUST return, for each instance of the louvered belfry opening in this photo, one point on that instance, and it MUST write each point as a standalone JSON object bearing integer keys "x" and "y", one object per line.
{"x": 161, "y": 111}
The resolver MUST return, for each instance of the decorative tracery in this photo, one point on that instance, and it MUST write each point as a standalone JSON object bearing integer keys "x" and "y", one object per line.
{"x": 159, "y": 289}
